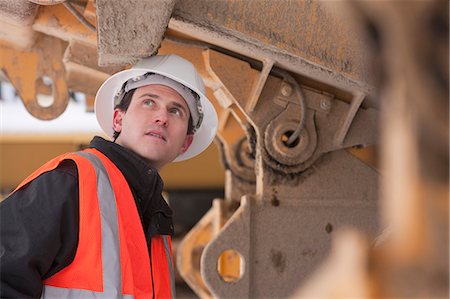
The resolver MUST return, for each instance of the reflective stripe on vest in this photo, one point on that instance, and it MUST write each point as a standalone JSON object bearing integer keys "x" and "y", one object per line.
{"x": 112, "y": 274}
{"x": 112, "y": 256}
{"x": 170, "y": 265}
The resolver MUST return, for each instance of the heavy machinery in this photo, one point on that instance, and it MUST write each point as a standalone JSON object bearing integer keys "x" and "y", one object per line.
{"x": 315, "y": 100}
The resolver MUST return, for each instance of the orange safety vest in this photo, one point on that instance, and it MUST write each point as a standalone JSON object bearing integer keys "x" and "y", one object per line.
{"x": 112, "y": 258}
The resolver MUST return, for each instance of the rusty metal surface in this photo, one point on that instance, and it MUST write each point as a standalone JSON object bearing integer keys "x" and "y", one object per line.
{"x": 16, "y": 18}
{"x": 274, "y": 112}
{"x": 263, "y": 57}
{"x": 302, "y": 28}
{"x": 129, "y": 30}
{"x": 303, "y": 191}
{"x": 283, "y": 238}
{"x": 20, "y": 11}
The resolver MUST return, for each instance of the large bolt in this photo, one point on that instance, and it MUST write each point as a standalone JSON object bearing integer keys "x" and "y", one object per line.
{"x": 286, "y": 89}
{"x": 325, "y": 104}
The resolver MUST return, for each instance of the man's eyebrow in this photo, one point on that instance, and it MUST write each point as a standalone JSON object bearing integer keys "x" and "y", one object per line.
{"x": 152, "y": 95}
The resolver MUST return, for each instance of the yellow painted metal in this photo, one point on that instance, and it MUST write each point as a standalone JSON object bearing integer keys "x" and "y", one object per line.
{"x": 229, "y": 265}
{"x": 90, "y": 100}
{"x": 57, "y": 21}
{"x": 189, "y": 253}
{"x": 90, "y": 12}
{"x": 190, "y": 250}
{"x": 368, "y": 155}
{"x": 236, "y": 79}
{"x": 24, "y": 68}
{"x": 26, "y": 61}
{"x": 82, "y": 72}
{"x": 231, "y": 127}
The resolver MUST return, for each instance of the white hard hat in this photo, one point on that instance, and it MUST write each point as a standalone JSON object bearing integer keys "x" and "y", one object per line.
{"x": 169, "y": 66}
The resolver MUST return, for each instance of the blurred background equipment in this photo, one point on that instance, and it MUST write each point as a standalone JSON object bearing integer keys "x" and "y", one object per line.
{"x": 329, "y": 174}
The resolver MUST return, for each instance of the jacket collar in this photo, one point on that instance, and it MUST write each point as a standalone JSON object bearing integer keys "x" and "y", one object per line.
{"x": 142, "y": 178}
{"x": 144, "y": 181}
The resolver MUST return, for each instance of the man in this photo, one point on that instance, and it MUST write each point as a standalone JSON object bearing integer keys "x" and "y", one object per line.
{"x": 93, "y": 224}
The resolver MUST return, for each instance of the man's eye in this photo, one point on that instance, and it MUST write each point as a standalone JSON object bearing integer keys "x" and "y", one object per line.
{"x": 149, "y": 102}
{"x": 175, "y": 111}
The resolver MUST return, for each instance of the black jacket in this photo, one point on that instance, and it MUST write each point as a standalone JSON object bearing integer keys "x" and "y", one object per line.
{"x": 39, "y": 222}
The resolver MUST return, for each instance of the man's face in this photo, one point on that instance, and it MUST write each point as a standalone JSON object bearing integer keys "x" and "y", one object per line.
{"x": 155, "y": 124}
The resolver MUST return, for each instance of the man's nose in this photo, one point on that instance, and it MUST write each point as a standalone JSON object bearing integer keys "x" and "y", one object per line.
{"x": 161, "y": 118}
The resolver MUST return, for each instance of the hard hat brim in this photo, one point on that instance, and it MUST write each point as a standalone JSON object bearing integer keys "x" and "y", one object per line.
{"x": 104, "y": 110}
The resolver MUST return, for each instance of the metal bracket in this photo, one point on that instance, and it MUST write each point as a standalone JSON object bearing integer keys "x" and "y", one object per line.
{"x": 25, "y": 68}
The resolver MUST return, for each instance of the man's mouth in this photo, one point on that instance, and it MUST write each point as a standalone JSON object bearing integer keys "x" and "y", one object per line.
{"x": 153, "y": 134}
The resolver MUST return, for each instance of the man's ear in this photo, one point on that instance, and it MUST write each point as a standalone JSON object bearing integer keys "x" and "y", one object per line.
{"x": 117, "y": 120}
{"x": 187, "y": 143}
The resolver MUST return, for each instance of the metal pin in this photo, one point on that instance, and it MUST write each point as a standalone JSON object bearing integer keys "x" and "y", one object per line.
{"x": 325, "y": 104}
{"x": 286, "y": 89}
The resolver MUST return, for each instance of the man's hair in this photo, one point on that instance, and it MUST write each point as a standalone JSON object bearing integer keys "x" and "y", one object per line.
{"x": 125, "y": 103}
{"x": 126, "y": 100}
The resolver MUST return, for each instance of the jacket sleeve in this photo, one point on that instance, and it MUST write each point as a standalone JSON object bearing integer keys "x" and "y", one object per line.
{"x": 38, "y": 231}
